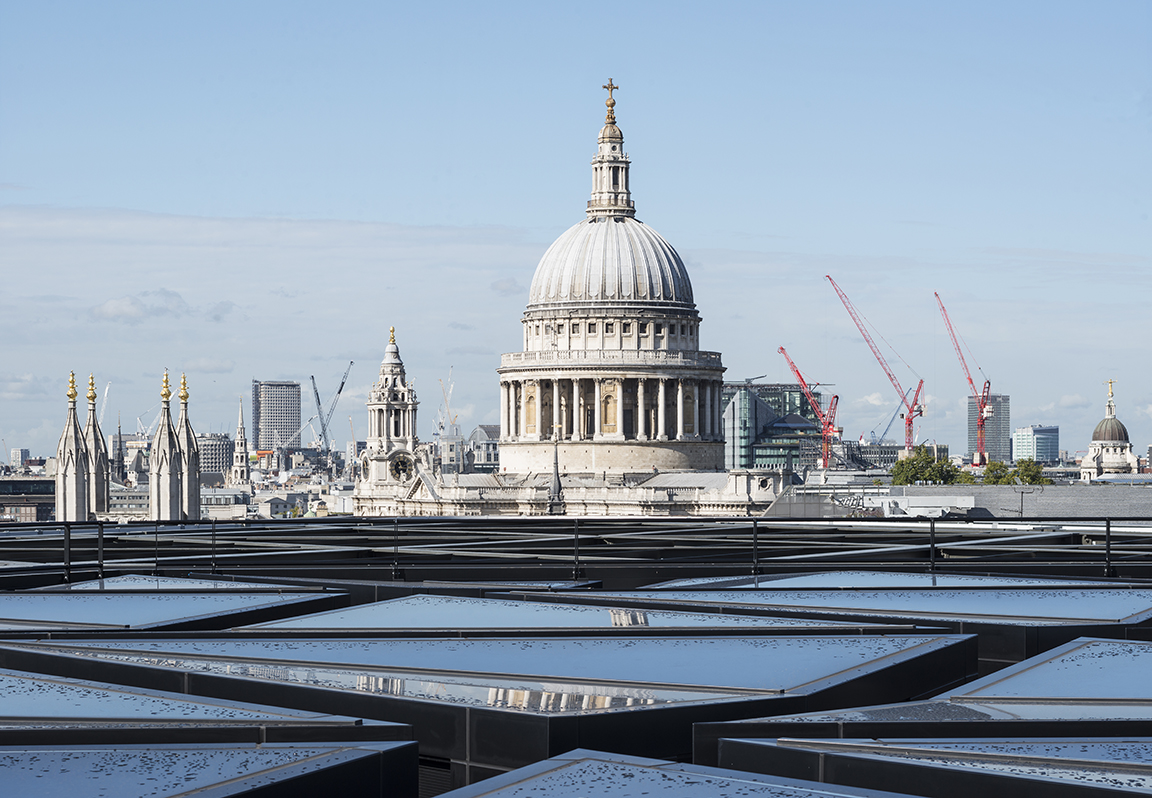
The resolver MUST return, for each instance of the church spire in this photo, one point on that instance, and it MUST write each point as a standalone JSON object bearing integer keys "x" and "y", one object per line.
{"x": 610, "y": 185}
{"x": 98, "y": 474}
{"x": 166, "y": 475}
{"x": 240, "y": 474}
{"x": 189, "y": 459}
{"x": 72, "y": 465}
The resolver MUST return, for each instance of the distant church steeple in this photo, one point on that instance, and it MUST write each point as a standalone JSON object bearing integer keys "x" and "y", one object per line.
{"x": 165, "y": 466}
{"x": 98, "y": 472}
{"x": 240, "y": 473}
{"x": 72, "y": 465}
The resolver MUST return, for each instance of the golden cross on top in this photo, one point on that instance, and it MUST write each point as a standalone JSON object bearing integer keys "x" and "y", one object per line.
{"x": 1109, "y": 384}
{"x": 610, "y": 117}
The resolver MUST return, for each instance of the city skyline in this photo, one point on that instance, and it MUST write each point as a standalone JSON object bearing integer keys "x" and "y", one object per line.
{"x": 176, "y": 193}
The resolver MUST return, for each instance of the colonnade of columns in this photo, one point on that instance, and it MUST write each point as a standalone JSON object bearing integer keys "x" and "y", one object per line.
{"x": 392, "y": 423}
{"x": 611, "y": 408}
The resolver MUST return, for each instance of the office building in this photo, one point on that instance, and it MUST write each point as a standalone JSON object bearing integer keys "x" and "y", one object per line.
{"x": 997, "y": 428}
{"x": 1036, "y": 442}
{"x": 275, "y": 415}
{"x": 216, "y": 450}
{"x": 17, "y": 457}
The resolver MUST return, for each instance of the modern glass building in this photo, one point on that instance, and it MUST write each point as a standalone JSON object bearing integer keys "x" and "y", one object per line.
{"x": 1036, "y": 442}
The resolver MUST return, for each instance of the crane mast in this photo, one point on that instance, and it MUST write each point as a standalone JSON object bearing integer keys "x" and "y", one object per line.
{"x": 911, "y": 409}
{"x": 983, "y": 409}
{"x": 827, "y": 419}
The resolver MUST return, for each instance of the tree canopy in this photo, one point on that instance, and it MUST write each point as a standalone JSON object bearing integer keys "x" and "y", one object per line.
{"x": 923, "y": 466}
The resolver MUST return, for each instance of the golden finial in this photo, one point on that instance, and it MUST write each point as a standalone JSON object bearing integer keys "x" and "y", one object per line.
{"x": 72, "y": 386}
{"x": 165, "y": 393}
{"x": 391, "y": 335}
{"x": 91, "y": 388}
{"x": 1109, "y": 384}
{"x": 183, "y": 388}
{"x": 610, "y": 117}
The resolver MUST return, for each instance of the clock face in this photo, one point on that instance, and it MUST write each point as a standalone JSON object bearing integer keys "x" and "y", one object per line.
{"x": 401, "y": 468}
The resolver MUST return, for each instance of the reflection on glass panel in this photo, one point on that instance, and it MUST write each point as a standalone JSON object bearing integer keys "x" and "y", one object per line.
{"x": 1036, "y": 606}
{"x": 756, "y": 663}
{"x": 453, "y": 612}
{"x": 503, "y": 693}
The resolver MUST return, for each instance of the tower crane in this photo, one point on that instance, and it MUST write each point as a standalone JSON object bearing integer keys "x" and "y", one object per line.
{"x": 983, "y": 408}
{"x": 911, "y": 409}
{"x": 326, "y": 417}
{"x": 827, "y": 419}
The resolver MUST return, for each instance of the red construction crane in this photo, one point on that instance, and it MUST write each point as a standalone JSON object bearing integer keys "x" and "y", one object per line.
{"x": 983, "y": 409}
{"x": 911, "y": 409}
{"x": 827, "y": 419}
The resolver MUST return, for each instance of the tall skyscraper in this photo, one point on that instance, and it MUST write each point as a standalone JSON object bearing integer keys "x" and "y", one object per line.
{"x": 997, "y": 429}
{"x": 275, "y": 414}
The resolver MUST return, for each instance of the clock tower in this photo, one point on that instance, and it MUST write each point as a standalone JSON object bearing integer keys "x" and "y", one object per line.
{"x": 389, "y": 456}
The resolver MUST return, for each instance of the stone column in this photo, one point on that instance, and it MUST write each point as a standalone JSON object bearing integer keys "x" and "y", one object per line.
{"x": 641, "y": 412}
{"x": 523, "y": 409}
{"x": 503, "y": 411}
{"x": 661, "y": 421}
{"x": 556, "y": 431}
{"x": 538, "y": 395}
{"x": 707, "y": 406}
{"x": 694, "y": 406}
{"x": 679, "y": 410}
{"x": 577, "y": 416}
{"x": 718, "y": 410}
{"x": 596, "y": 431}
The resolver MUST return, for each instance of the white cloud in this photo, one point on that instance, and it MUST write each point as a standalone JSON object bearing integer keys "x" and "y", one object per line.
{"x": 147, "y": 304}
{"x": 210, "y": 365}
{"x": 874, "y": 399}
{"x": 508, "y": 286}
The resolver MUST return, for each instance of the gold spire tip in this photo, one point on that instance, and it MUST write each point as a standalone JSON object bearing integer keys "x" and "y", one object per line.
{"x": 610, "y": 117}
{"x": 183, "y": 388}
{"x": 1109, "y": 383}
{"x": 72, "y": 386}
{"x": 165, "y": 392}
{"x": 91, "y": 388}
{"x": 391, "y": 335}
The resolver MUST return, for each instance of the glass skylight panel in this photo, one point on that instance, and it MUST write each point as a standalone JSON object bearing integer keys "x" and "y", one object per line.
{"x": 1119, "y": 764}
{"x": 878, "y": 579}
{"x": 1088, "y": 669}
{"x": 162, "y": 771}
{"x": 131, "y": 609}
{"x": 29, "y": 695}
{"x": 759, "y": 664}
{"x": 1033, "y": 606}
{"x": 145, "y": 582}
{"x": 587, "y": 777}
{"x": 450, "y": 612}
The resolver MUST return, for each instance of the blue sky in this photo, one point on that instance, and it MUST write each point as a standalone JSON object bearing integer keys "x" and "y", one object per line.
{"x": 254, "y": 189}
